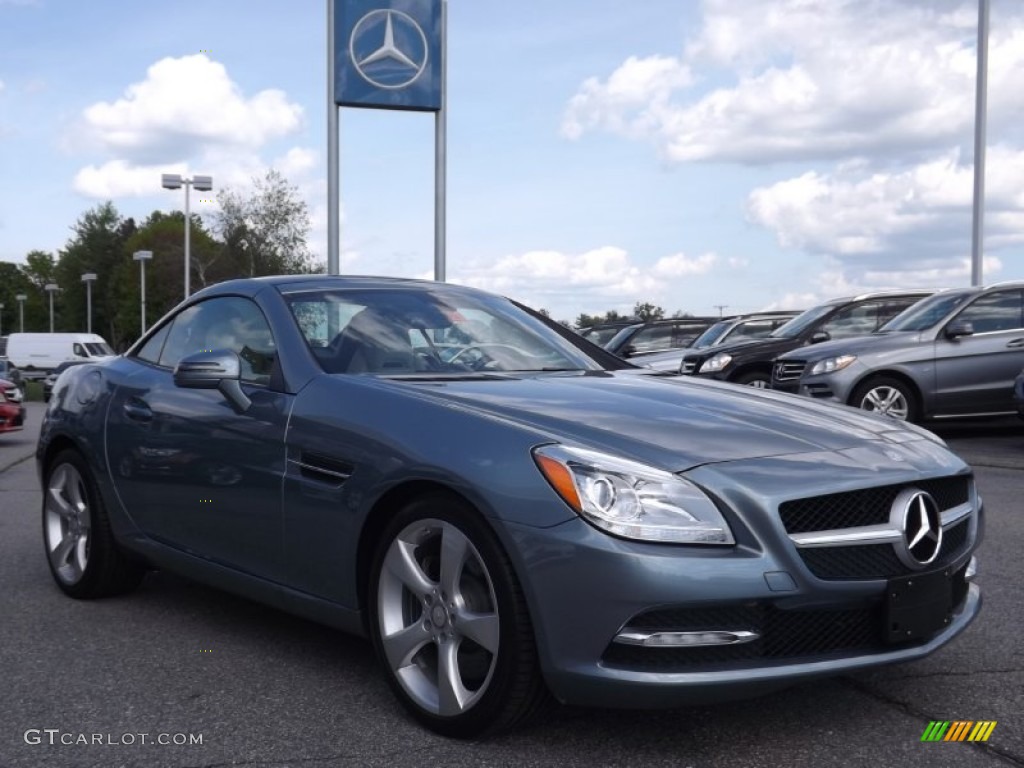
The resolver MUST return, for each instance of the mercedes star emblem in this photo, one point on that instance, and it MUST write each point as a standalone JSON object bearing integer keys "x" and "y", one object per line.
{"x": 917, "y": 516}
{"x": 388, "y": 48}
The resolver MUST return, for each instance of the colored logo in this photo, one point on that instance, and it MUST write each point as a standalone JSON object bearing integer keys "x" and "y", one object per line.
{"x": 958, "y": 730}
{"x": 388, "y": 48}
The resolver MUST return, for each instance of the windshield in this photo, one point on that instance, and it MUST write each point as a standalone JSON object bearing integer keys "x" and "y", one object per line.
{"x": 926, "y": 313}
{"x": 801, "y": 322}
{"x": 428, "y": 331}
{"x": 711, "y": 335}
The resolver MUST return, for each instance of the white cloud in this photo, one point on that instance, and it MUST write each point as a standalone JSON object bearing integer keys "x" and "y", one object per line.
{"x": 809, "y": 79}
{"x": 919, "y": 218}
{"x": 117, "y": 178}
{"x": 593, "y": 281}
{"x": 184, "y": 106}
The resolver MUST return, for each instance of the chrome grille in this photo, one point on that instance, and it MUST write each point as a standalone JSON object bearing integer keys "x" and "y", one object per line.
{"x": 788, "y": 370}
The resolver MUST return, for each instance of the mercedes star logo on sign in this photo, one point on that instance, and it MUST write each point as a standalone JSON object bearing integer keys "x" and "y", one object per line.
{"x": 388, "y": 48}
{"x": 921, "y": 524}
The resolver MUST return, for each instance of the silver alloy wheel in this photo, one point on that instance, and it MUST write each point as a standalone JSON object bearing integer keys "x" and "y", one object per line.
{"x": 438, "y": 617}
{"x": 886, "y": 400}
{"x": 68, "y": 524}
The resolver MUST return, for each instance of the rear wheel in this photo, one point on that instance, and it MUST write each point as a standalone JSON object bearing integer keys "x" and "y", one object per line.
{"x": 888, "y": 397}
{"x": 84, "y": 557}
{"x": 449, "y": 622}
{"x": 755, "y": 379}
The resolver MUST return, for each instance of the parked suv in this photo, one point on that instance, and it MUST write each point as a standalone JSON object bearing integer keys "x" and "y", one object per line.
{"x": 726, "y": 331}
{"x": 750, "y": 362}
{"x": 954, "y": 354}
{"x": 658, "y": 335}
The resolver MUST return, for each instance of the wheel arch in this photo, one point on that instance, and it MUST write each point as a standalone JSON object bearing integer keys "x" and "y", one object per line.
{"x": 382, "y": 512}
{"x": 889, "y": 373}
{"x": 759, "y": 366}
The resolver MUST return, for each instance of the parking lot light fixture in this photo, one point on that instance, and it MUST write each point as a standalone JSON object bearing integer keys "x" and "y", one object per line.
{"x": 20, "y": 298}
{"x": 51, "y": 288}
{"x": 142, "y": 257}
{"x": 88, "y": 278}
{"x": 202, "y": 184}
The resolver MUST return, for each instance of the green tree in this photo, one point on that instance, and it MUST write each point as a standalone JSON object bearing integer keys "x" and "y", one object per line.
{"x": 648, "y": 311}
{"x": 13, "y": 282}
{"x": 264, "y": 233}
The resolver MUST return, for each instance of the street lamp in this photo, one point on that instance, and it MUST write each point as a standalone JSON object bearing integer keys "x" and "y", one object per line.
{"x": 88, "y": 278}
{"x": 142, "y": 257}
{"x": 1, "y": 319}
{"x": 202, "y": 184}
{"x": 21, "y": 311}
{"x": 51, "y": 288}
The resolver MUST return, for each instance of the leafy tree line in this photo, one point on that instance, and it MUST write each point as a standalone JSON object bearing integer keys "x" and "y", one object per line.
{"x": 260, "y": 233}
{"x": 642, "y": 311}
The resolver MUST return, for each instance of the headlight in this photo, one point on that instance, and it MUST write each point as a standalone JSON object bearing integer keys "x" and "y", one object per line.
{"x": 631, "y": 499}
{"x": 832, "y": 364}
{"x": 716, "y": 363}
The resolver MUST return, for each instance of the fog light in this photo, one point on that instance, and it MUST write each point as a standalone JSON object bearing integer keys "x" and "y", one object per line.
{"x": 685, "y": 639}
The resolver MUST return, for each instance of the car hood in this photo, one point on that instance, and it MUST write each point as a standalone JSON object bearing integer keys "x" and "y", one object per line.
{"x": 767, "y": 346}
{"x": 876, "y": 342}
{"x": 675, "y": 423}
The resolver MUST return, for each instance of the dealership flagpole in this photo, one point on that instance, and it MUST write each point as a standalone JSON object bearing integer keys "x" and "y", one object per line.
{"x": 440, "y": 155}
{"x": 333, "y": 201}
{"x": 980, "y": 109}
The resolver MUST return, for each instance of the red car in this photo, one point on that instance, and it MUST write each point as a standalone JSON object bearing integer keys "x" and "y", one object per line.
{"x": 12, "y": 412}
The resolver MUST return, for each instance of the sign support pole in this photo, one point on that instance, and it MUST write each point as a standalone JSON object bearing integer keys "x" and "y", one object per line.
{"x": 440, "y": 156}
{"x": 333, "y": 196}
{"x": 980, "y": 109}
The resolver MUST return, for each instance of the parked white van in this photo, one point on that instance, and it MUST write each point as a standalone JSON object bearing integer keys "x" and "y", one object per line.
{"x": 36, "y": 354}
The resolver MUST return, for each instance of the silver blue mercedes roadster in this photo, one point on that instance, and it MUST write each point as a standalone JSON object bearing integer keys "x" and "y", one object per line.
{"x": 509, "y": 513}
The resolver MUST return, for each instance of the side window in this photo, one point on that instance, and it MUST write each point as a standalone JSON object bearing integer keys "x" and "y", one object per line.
{"x": 857, "y": 320}
{"x": 651, "y": 339}
{"x": 755, "y": 329}
{"x": 224, "y": 323}
{"x": 79, "y": 350}
{"x": 999, "y": 311}
{"x": 893, "y": 307}
{"x": 150, "y": 351}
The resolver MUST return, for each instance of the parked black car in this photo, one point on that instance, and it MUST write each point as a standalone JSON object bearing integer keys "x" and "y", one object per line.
{"x": 750, "y": 362}
{"x": 658, "y": 335}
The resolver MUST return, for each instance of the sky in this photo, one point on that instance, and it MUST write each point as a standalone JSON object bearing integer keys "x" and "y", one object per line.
{"x": 689, "y": 153}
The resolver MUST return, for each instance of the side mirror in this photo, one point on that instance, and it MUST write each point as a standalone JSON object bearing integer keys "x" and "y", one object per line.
{"x": 959, "y": 328}
{"x": 820, "y": 336}
{"x": 217, "y": 369}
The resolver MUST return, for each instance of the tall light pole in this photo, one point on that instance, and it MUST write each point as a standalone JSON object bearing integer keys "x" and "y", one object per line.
{"x": 88, "y": 278}
{"x": 202, "y": 184}
{"x": 1, "y": 319}
{"x": 980, "y": 111}
{"x": 142, "y": 257}
{"x": 21, "y": 311}
{"x": 51, "y": 288}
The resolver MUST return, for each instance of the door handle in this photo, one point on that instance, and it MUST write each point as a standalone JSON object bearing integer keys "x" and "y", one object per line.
{"x": 138, "y": 410}
{"x": 1015, "y": 343}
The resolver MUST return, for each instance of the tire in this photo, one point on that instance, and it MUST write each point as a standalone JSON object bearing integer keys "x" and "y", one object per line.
{"x": 755, "y": 379}
{"x": 83, "y": 556}
{"x": 443, "y": 595}
{"x": 887, "y": 397}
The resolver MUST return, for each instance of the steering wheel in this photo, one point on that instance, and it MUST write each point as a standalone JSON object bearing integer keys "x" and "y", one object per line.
{"x": 489, "y": 361}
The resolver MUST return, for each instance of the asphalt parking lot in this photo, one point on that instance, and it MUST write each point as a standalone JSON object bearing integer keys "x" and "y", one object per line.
{"x": 261, "y": 688}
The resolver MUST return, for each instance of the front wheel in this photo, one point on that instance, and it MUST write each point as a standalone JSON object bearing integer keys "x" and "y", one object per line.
{"x": 84, "y": 557}
{"x": 449, "y": 622}
{"x": 888, "y": 397}
{"x": 755, "y": 379}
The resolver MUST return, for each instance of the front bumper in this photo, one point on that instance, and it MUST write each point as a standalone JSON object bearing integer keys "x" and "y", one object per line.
{"x": 586, "y": 588}
{"x": 12, "y": 417}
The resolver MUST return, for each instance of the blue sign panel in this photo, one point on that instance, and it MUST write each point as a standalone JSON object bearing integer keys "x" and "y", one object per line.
{"x": 387, "y": 54}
